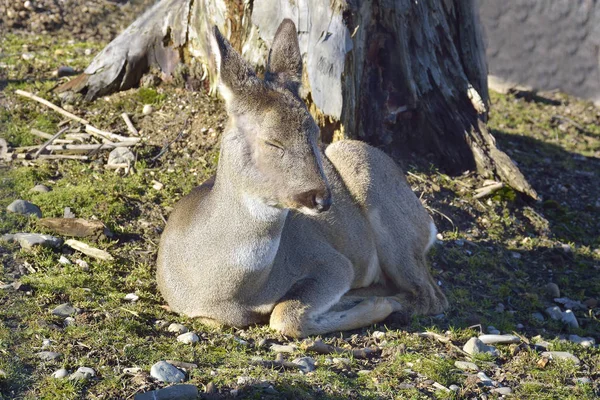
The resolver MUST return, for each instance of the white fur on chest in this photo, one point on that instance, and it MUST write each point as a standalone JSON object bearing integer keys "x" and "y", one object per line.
{"x": 253, "y": 254}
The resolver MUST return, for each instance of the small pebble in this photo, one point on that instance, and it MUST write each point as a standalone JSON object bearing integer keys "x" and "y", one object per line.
{"x": 49, "y": 355}
{"x": 69, "y": 321}
{"x": 64, "y": 260}
{"x": 454, "y": 388}
{"x": 499, "y": 339}
{"x": 188, "y": 338}
{"x": 307, "y": 364}
{"x": 60, "y": 373}
{"x": 569, "y": 318}
{"x": 65, "y": 71}
{"x": 132, "y": 297}
{"x": 538, "y": 316}
{"x": 83, "y": 373}
{"x": 583, "y": 341}
{"x": 552, "y": 290}
{"x": 165, "y": 372}
{"x": 40, "y": 189}
{"x": 82, "y": 264}
{"x": 132, "y": 370}
{"x": 378, "y": 335}
{"x": 466, "y": 366}
{"x": 283, "y": 348}
{"x": 475, "y": 346}
{"x": 24, "y": 207}
{"x": 500, "y": 308}
{"x": 87, "y": 52}
{"x": 65, "y": 310}
{"x": 503, "y": 391}
{"x": 583, "y": 381}
{"x": 561, "y": 355}
{"x": 177, "y": 328}
{"x": 486, "y": 380}
{"x": 554, "y": 312}
{"x": 147, "y": 110}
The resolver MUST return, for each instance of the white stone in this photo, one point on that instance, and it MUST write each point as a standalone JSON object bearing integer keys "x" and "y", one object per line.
{"x": 188, "y": 338}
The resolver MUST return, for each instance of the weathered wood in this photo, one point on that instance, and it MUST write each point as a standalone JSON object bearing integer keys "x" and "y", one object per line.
{"x": 410, "y": 77}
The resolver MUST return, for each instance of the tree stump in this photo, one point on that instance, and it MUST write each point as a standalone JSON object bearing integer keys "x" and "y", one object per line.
{"x": 409, "y": 77}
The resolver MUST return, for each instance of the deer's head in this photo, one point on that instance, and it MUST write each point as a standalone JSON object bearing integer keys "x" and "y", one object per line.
{"x": 275, "y": 137}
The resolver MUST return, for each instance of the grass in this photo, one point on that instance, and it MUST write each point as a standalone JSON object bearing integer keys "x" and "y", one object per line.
{"x": 501, "y": 249}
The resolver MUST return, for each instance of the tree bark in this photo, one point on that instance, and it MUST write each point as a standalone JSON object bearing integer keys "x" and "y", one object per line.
{"x": 410, "y": 77}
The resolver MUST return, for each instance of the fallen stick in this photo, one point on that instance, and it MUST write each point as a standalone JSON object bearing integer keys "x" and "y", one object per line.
{"x": 88, "y": 127}
{"x": 25, "y": 156}
{"x": 45, "y": 135}
{"x": 108, "y": 135}
{"x": 78, "y": 136}
{"x": 88, "y": 147}
{"x": 49, "y": 142}
{"x": 487, "y": 190}
{"x": 89, "y": 250}
{"x": 129, "y": 124}
{"x": 52, "y": 106}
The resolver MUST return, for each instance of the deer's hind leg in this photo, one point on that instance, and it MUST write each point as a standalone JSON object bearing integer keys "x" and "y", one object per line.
{"x": 315, "y": 305}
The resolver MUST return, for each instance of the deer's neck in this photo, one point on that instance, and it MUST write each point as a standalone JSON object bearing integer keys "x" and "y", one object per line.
{"x": 250, "y": 228}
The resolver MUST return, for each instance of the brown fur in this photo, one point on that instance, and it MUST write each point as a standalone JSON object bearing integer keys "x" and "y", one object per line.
{"x": 258, "y": 243}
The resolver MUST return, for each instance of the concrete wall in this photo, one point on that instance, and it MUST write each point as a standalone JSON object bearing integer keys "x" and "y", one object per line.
{"x": 545, "y": 44}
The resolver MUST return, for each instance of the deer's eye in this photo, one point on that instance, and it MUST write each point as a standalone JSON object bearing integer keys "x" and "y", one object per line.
{"x": 275, "y": 146}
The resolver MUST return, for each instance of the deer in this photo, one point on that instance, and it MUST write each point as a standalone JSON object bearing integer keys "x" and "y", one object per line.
{"x": 307, "y": 238}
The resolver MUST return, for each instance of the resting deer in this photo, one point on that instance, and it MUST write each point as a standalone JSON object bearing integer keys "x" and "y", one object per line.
{"x": 310, "y": 241}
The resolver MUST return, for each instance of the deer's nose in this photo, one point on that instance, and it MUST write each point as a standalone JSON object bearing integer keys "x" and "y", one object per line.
{"x": 322, "y": 201}
{"x": 317, "y": 199}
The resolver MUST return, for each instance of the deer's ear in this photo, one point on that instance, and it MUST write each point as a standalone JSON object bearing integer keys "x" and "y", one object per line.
{"x": 285, "y": 61}
{"x": 236, "y": 76}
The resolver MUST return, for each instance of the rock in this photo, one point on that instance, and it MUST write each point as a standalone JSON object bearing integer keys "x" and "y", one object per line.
{"x": 439, "y": 386}
{"x": 65, "y": 310}
{"x": 60, "y": 373}
{"x": 68, "y": 213}
{"x": 538, "y": 316}
{"x": 583, "y": 341}
{"x": 582, "y": 381}
{"x": 569, "y": 318}
{"x": 82, "y": 374}
{"x": 147, "y": 109}
{"x": 552, "y": 290}
{"x": 475, "y": 346}
{"x": 65, "y": 71}
{"x": 500, "y": 308}
{"x": 307, "y": 364}
{"x": 40, "y": 189}
{"x": 64, "y": 261}
{"x": 554, "y": 312}
{"x": 561, "y": 355}
{"x": 503, "y": 391}
{"x": 287, "y": 348}
{"x": 25, "y": 208}
{"x": 571, "y": 304}
{"x": 466, "y": 366}
{"x": 175, "y": 392}
{"x": 177, "y": 328}
{"x": 77, "y": 227}
{"x": 156, "y": 185}
{"x": 49, "y": 355}
{"x": 454, "y": 388}
{"x": 132, "y": 297}
{"x": 82, "y": 264}
{"x": 486, "y": 380}
{"x": 27, "y": 56}
{"x": 499, "y": 339}
{"x": 21, "y": 287}
{"x": 47, "y": 343}
{"x": 165, "y": 372}
{"x": 69, "y": 321}
{"x": 262, "y": 342}
{"x": 132, "y": 370}
{"x": 30, "y": 240}
{"x": 378, "y": 335}
{"x": 244, "y": 380}
{"x": 188, "y": 338}
{"x": 121, "y": 155}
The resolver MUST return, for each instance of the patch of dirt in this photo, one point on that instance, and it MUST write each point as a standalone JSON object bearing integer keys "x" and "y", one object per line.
{"x": 98, "y": 19}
